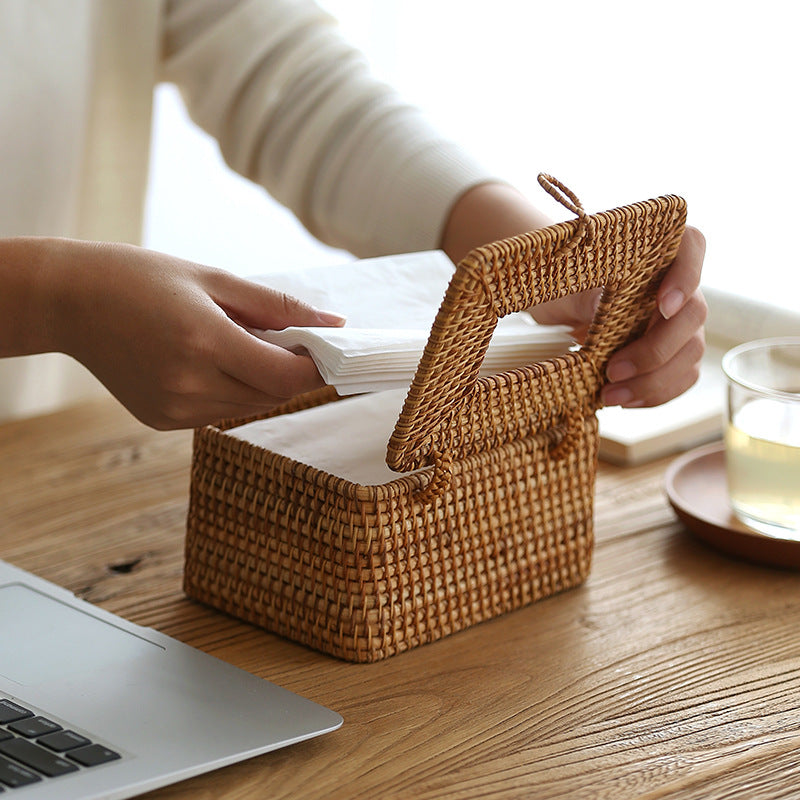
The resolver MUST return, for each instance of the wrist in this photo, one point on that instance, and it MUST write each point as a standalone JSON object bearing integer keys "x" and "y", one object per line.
{"x": 25, "y": 305}
{"x": 36, "y": 308}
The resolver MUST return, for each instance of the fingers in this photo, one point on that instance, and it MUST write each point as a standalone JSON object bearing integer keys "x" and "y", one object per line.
{"x": 262, "y": 307}
{"x": 661, "y": 364}
{"x": 216, "y": 370}
{"x": 683, "y": 278}
{"x": 660, "y": 343}
{"x": 660, "y": 386}
{"x": 203, "y": 396}
{"x": 220, "y": 398}
{"x": 275, "y": 373}
{"x": 272, "y": 373}
{"x": 665, "y": 361}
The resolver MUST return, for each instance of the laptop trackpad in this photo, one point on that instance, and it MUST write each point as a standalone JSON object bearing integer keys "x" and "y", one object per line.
{"x": 43, "y": 639}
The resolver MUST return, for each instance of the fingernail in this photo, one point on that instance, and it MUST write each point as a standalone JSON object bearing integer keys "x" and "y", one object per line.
{"x": 330, "y": 317}
{"x": 617, "y": 396}
{"x": 620, "y": 371}
{"x": 672, "y": 303}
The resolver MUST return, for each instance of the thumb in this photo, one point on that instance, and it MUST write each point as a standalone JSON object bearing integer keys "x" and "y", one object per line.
{"x": 260, "y": 306}
{"x": 280, "y": 310}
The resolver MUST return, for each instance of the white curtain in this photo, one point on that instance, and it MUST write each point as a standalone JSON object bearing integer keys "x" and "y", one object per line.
{"x": 77, "y": 81}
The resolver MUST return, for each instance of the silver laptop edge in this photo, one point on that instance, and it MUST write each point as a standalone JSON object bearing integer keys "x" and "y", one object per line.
{"x": 168, "y": 709}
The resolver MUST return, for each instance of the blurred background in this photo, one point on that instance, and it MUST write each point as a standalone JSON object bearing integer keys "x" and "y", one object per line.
{"x": 622, "y": 100}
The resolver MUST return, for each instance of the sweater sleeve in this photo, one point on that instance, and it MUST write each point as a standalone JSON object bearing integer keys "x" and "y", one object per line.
{"x": 295, "y": 108}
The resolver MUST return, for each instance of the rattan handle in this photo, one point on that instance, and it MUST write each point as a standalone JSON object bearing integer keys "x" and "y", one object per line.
{"x": 449, "y": 409}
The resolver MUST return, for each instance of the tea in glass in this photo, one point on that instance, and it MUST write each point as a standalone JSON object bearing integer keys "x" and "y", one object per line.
{"x": 762, "y": 438}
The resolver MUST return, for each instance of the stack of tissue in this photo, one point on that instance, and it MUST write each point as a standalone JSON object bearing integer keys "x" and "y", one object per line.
{"x": 390, "y": 304}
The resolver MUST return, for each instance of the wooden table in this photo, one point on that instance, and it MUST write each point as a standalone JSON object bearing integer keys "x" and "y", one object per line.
{"x": 673, "y": 672}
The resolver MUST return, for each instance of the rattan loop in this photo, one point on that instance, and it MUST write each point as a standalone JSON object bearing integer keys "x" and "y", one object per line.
{"x": 440, "y": 477}
{"x": 573, "y": 431}
{"x": 562, "y": 194}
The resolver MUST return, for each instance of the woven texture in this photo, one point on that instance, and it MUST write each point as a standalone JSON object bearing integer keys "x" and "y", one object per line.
{"x": 499, "y": 513}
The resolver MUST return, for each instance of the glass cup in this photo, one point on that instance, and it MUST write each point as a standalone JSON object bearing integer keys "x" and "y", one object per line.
{"x": 762, "y": 437}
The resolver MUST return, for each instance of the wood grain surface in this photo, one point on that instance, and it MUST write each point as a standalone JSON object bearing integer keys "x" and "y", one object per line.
{"x": 674, "y": 672}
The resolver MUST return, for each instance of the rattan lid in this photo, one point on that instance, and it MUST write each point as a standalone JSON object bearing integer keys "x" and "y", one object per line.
{"x": 450, "y": 412}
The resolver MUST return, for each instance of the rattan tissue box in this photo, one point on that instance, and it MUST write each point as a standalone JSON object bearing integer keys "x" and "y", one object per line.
{"x": 492, "y": 507}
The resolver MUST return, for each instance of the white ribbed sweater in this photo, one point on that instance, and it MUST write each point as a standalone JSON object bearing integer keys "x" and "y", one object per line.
{"x": 292, "y": 104}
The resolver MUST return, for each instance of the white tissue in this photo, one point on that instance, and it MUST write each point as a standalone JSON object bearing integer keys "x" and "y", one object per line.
{"x": 390, "y": 304}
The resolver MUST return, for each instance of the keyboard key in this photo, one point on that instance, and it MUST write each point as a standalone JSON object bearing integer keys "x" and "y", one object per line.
{"x": 14, "y": 776}
{"x": 32, "y": 727}
{"x": 63, "y": 740}
{"x": 35, "y": 757}
{"x": 5, "y": 735}
{"x": 11, "y": 712}
{"x": 92, "y": 755}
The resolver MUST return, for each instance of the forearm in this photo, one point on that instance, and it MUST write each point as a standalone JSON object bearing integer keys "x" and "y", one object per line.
{"x": 296, "y": 109}
{"x": 492, "y": 211}
{"x": 32, "y": 276}
{"x": 486, "y": 213}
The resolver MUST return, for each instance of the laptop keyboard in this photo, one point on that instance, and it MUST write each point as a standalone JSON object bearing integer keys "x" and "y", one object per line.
{"x": 34, "y": 748}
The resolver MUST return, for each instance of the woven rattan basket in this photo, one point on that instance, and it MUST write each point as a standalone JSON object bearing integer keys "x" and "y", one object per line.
{"x": 499, "y": 512}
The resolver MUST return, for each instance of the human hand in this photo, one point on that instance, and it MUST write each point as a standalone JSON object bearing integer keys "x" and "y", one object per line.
{"x": 665, "y": 361}
{"x": 167, "y": 336}
{"x": 657, "y": 367}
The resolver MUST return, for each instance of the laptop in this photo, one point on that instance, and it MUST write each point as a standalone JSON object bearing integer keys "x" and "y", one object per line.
{"x": 93, "y": 706}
